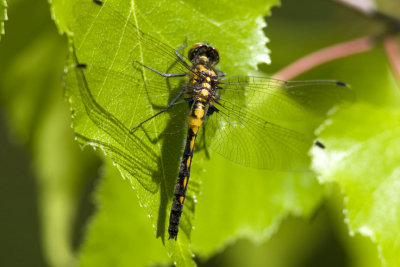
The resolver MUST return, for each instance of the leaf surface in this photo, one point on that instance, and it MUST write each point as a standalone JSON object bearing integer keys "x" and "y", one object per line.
{"x": 363, "y": 158}
{"x": 109, "y": 96}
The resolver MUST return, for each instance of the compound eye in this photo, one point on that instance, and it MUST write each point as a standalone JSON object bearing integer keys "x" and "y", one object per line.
{"x": 209, "y": 51}
{"x": 213, "y": 55}
{"x": 194, "y": 50}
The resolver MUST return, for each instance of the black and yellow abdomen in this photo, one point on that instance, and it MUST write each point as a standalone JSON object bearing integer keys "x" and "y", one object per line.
{"x": 195, "y": 121}
{"x": 202, "y": 91}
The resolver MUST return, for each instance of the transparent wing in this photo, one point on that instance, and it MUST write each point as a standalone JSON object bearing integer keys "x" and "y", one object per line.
{"x": 250, "y": 140}
{"x": 123, "y": 29}
{"x": 285, "y": 100}
{"x": 148, "y": 97}
{"x": 250, "y": 127}
{"x": 110, "y": 123}
{"x": 125, "y": 88}
{"x": 127, "y": 161}
{"x": 119, "y": 133}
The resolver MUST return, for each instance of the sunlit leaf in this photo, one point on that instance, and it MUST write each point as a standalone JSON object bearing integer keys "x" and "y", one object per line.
{"x": 363, "y": 158}
{"x": 110, "y": 93}
{"x": 127, "y": 237}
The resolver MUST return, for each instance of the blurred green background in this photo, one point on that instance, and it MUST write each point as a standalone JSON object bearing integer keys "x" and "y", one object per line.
{"x": 45, "y": 206}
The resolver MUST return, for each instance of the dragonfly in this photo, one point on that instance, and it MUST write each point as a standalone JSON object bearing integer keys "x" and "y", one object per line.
{"x": 244, "y": 118}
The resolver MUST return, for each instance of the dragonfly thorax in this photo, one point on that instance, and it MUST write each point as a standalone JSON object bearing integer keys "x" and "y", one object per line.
{"x": 203, "y": 81}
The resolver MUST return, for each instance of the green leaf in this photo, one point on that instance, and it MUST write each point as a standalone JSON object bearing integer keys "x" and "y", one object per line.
{"x": 32, "y": 59}
{"x": 362, "y": 156}
{"x": 104, "y": 98}
{"x": 238, "y": 202}
{"x": 379, "y": 89}
{"x": 3, "y": 16}
{"x": 121, "y": 230}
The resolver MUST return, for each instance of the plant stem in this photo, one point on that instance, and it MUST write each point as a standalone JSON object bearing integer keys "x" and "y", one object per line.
{"x": 325, "y": 55}
{"x": 393, "y": 55}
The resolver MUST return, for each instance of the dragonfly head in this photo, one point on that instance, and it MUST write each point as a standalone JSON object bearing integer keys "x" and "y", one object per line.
{"x": 203, "y": 53}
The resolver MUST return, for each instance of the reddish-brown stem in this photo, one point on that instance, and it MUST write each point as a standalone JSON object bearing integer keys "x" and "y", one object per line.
{"x": 393, "y": 55}
{"x": 325, "y": 55}
{"x": 366, "y": 7}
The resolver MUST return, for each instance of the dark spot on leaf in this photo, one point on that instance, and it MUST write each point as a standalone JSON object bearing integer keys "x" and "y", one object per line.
{"x": 319, "y": 144}
{"x": 98, "y": 2}
{"x": 339, "y": 83}
{"x": 81, "y": 66}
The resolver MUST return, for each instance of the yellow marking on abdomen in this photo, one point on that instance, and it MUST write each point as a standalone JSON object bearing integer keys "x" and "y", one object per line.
{"x": 185, "y": 182}
{"x": 192, "y": 143}
{"x": 195, "y": 121}
{"x": 199, "y": 112}
{"x": 194, "y": 124}
{"x": 206, "y": 85}
{"x": 188, "y": 162}
{"x": 181, "y": 199}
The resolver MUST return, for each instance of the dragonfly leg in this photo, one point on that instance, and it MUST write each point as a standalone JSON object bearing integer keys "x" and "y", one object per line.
{"x": 170, "y": 105}
{"x": 179, "y": 56}
{"x": 221, "y": 73}
{"x": 166, "y": 75}
{"x": 205, "y": 147}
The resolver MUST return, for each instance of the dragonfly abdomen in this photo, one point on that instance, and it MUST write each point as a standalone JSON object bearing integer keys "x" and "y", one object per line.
{"x": 195, "y": 121}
